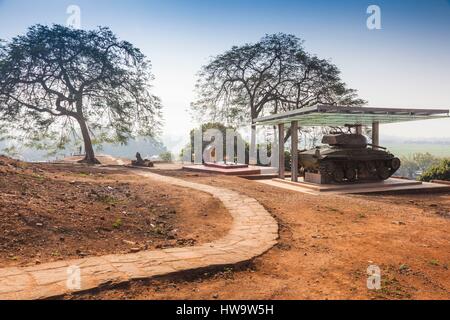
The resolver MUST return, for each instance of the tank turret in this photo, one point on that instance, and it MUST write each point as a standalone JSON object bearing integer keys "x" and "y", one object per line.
{"x": 348, "y": 158}
{"x": 345, "y": 140}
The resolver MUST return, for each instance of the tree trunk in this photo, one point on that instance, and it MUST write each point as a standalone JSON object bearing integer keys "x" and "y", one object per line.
{"x": 288, "y": 135}
{"x": 253, "y": 153}
{"x": 89, "y": 150}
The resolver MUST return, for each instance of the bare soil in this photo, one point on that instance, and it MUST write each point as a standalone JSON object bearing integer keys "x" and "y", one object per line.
{"x": 52, "y": 212}
{"x": 326, "y": 244}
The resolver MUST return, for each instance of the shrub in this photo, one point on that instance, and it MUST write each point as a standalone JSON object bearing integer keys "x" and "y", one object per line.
{"x": 415, "y": 164}
{"x": 166, "y": 156}
{"x": 440, "y": 171}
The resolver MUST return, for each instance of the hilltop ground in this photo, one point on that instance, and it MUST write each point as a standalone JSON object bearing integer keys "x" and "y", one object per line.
{"x": 326, "y": 242}
{"x": 52, "y": 212}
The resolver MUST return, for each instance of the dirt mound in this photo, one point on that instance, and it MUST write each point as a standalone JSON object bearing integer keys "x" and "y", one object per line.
{"x": 55, "y": 212}
{"x": 9, "y": 165}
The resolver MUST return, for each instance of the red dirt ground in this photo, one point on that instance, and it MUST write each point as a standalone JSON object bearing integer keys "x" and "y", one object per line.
{"x": 53, "y": 212}
{"x": 326, "y": 244}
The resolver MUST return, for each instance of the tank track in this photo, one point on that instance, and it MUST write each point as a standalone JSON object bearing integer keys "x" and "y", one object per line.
{"x": 341, "y": 171}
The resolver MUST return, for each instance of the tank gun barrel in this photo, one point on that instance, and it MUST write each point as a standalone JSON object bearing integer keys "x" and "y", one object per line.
{"x": 376, "y": 146}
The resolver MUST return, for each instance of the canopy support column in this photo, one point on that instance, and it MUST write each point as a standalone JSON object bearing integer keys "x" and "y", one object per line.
{"x": 375, "y": 134}
{"x": 281, "y": 151}
{"x": 294, "y": 151}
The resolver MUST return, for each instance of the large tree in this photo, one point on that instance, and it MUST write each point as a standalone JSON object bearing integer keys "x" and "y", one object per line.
{"x": 275, "y": 74}
{"x": 58, "y": 84}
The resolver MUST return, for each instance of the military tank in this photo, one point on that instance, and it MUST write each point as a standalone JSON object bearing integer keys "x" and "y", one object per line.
{"x": 348, "y": 158}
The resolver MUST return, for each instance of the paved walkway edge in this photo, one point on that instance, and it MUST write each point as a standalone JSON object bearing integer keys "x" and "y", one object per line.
{"x": 254, "y": 231}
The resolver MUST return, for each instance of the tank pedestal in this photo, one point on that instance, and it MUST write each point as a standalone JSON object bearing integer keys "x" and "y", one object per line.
{"x": 316, "y": 178}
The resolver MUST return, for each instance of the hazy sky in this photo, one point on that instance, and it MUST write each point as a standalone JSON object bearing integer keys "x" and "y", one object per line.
{"x": 405, "y": 64}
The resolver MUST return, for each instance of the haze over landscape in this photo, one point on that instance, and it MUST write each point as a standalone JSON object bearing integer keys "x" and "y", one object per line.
{"x": 402, "y": 65}
{"x": 199, "y": 151}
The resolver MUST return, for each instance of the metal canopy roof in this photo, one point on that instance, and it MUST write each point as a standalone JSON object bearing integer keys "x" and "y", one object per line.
{"x": 327, "y": 115}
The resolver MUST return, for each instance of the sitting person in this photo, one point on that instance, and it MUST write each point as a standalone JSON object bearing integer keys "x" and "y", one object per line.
{"x": 139, "y": 162}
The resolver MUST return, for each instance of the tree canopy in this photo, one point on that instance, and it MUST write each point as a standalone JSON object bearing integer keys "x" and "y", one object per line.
{"x": 59, "y": 84}
{"x": 273, "y": 75}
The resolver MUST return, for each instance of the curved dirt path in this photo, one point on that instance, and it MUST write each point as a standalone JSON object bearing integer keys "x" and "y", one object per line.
{"x": 254, "y": 231}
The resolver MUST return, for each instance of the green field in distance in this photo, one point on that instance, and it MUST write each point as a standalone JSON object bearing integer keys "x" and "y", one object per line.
{"x": 405, "y": 149}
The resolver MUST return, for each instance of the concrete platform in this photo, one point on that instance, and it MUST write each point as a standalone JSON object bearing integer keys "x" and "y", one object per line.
{"x": 244, "y": 171}
{"x": 392, "y": 185}
{"x": 226, "y": 166}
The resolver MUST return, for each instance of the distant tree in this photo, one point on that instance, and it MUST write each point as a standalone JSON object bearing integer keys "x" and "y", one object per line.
{"x": 417, "y": 163}
{"x": 273, "y": 75}
{"x": 425, "y": 160}
{"x": 57, "y": 82}
{"x": 408, "y": 168}
{"x": 166, "y": 156}
{"x": 414, "y": 164}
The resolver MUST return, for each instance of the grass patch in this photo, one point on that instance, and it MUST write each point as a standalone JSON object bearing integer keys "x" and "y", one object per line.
{"x": 117, "y": 224}
{"x": 38, "y": 177}
{"x": 434, "y": 263}
{"x": 392, "y": 288}
{"x": 83, "y": 174}
{"x": 404, "y": 268}
{"x": 107, "y": 199}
